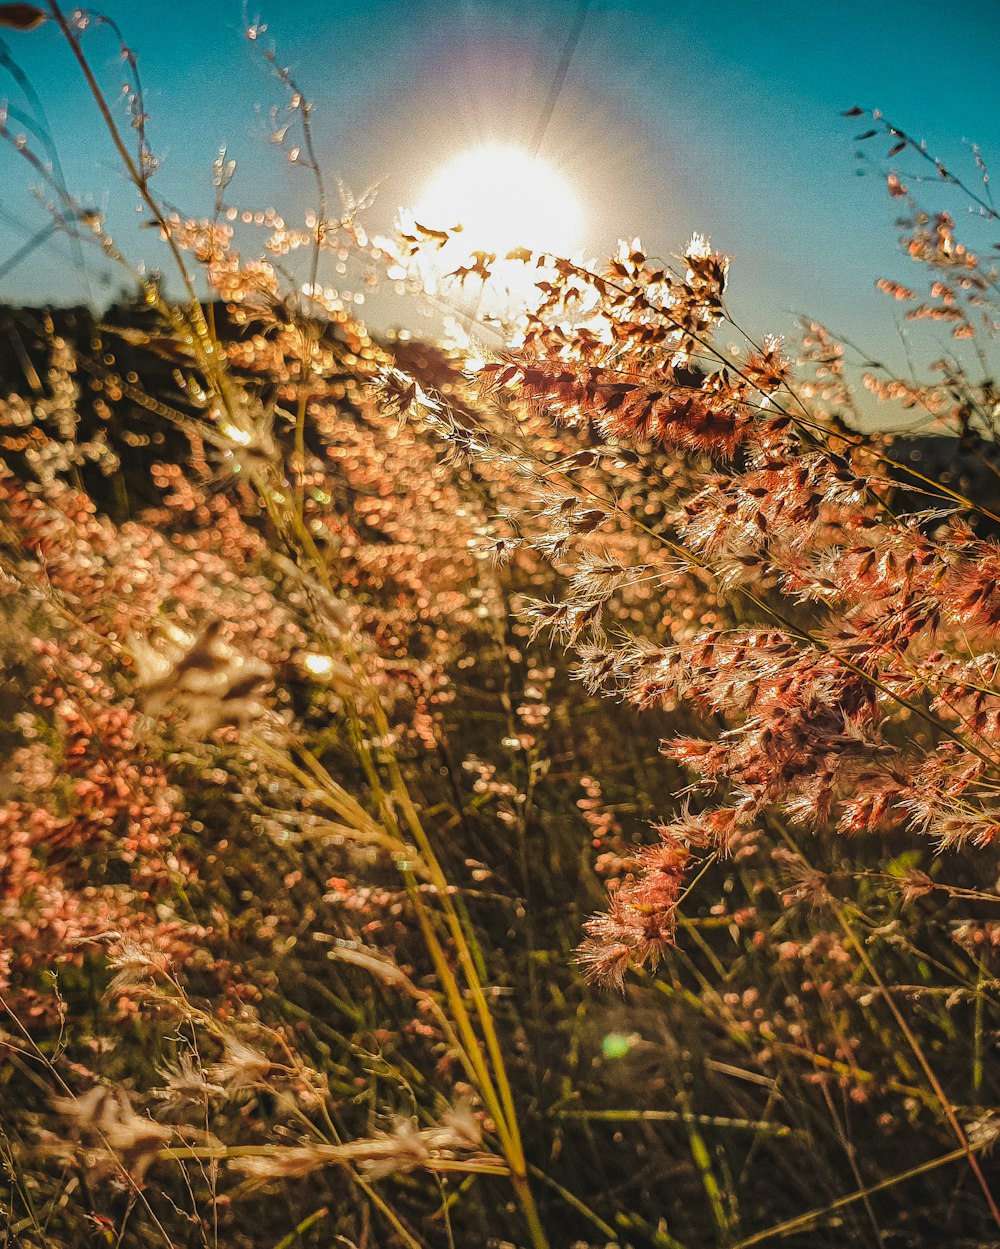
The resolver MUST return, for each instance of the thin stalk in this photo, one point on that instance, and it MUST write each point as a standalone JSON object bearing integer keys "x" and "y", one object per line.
{"x": 928, "y": 1070}
{"x": 225, "y": 1153}
{"x": 681, "y": 1116}
{"x": 572, "y": 1200}
{"x": 202, "y": 341}
{"x": 804, "y": 1221}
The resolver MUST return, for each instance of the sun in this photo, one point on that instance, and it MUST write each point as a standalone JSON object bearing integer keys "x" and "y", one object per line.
{"x": 503, "y": 198}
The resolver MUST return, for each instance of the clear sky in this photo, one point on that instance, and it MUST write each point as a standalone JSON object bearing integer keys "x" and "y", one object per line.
{"x": 673, "y": 117}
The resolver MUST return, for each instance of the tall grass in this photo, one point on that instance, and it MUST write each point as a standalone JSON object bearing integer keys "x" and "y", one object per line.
{"x": 305, "y": 823}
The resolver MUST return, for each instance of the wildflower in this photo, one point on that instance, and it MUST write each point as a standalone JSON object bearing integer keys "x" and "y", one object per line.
{"x": 807, "y": 883}
{"x": 766, "y": 367}
{"x": 400, "y": 395}
{"x": 186, "y": 1084}
{"x": 132, "y": 964}
{"x": 639, "y": 924}
{"x": 241, "y": 1067}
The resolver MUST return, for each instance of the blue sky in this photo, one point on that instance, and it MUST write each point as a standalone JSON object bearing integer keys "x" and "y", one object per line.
{"x": 673, "y": 117}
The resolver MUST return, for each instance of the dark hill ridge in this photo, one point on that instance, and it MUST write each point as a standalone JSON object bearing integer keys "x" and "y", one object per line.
{"x": 117, "y": 370}
{"x": 969, "y": 466}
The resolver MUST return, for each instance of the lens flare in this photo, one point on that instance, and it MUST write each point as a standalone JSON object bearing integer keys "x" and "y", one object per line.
{"x": 503, "y": 198}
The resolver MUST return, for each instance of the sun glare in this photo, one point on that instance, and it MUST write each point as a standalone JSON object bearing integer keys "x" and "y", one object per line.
{"x": 503, "y": 198}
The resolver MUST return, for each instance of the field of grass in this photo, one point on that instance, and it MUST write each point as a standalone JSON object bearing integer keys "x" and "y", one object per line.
{"x": 535, "y": 795}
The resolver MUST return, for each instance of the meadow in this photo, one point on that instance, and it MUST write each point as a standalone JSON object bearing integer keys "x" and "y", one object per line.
{"x": 533, "y": 791}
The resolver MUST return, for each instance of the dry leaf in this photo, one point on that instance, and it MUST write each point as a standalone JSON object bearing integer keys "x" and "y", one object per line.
{"x": 21, "y": 16}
